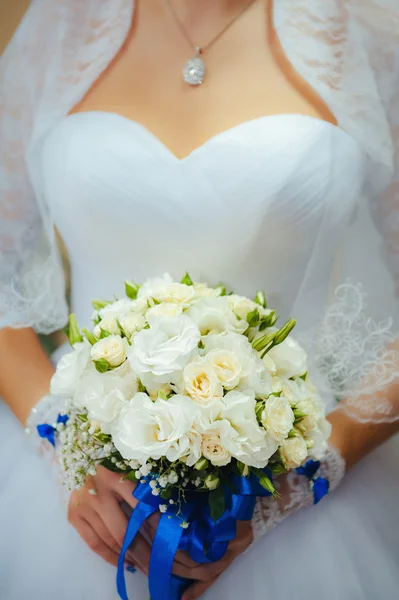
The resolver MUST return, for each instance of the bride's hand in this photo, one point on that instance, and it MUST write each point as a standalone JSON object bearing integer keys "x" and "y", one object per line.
{"x": 95, "y": 512}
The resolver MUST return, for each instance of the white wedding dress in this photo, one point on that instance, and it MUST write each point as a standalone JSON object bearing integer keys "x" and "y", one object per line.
{"x": 230, "y": 211}
{"x": 276, "y": 203}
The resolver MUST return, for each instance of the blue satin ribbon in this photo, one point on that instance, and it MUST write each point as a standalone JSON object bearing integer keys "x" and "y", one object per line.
{"x": 320, "y": 485}
{"x": 205, "y": 540}
{"x": 47, "y": 432}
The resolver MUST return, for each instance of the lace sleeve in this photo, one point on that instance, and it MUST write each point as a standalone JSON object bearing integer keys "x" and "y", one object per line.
{"x": 31, "y": 278}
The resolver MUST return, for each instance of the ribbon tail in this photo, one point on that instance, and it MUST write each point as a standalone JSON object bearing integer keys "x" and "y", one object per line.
{"x": 321, "y": 488}
{"x": 139, "y": 515}
{"x": 162, "y": 583}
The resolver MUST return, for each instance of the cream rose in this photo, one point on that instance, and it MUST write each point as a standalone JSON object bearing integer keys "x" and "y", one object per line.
{"x": 201, "y": 382}
{"x": 242, "y": 306}
{"x": 116, "y": 309}
{"x": 131, "y": 323}
{"x": 212, "y": 446}
{"x": 159, "y": 354}
{"x": 112, "y": 349}
{"x": 164, "y": 289}
{"x": 277, "y": 417}
{"x": 69, "y": 369}
{"x": 227, "y": 367}
{"x": 214, "y": 315}
{"x": 107, "y": 324}
{"x": 294, "y": 452}
{"x": 166, "y": 309}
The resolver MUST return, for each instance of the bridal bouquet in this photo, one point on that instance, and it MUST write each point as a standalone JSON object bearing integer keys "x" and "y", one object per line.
{"x": 197, "y": 396}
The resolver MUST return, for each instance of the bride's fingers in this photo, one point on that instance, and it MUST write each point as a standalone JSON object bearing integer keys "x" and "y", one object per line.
{"x": 94, "y": 541}
{"x": 197, "y": 589}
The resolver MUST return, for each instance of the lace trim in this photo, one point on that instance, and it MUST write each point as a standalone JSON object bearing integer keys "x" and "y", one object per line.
{"x": 295, "y": 493}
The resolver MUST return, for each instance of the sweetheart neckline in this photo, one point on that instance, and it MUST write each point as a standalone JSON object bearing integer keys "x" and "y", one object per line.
{"x": 212, "y": 139}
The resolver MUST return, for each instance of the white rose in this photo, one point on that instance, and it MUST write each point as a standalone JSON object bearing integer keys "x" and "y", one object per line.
{"x": 112, "y": 349}
{"x": 116, "y": 309}
{"x": 290, "y": 359}
{"x": 227, "y": 367}
{"x": 201, "y": 382}
{"x": 107, "y": 324}
{"x": 203, "y": 291}
{"x": 159, "y": 354}
{"x": 166, "y": 290}
{"x": 166, "y": 309}
{"x": 277, "y": 417}
{"x": 242, "y": 306}
{"x": 294, "y": 452}
{"x": 131, "y": 323}
{"x": 146, "y": 429}
{"x": 239, "y": 364}
{"x": 214, "y": 315}
{"x": 212, "y": 443}
{"x": 69, "y": 369}
{"x": 247, "y": 442}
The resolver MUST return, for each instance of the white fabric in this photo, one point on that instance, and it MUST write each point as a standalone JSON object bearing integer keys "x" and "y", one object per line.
{"x": 263, "y": 205}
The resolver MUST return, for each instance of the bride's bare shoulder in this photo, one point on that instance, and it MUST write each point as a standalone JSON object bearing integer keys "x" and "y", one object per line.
{"x": 11, "y": 14}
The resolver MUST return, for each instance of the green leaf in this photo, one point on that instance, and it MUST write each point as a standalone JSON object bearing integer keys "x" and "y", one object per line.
{"x": 216, "y": 503}
{"x": 222, "y": 288}
{"x": 293, "y": 433}
{"x": 102, "y": 365}
{"x": 104, "y": 334}
{"x": 108, "y": 464}
{"x": 131, "y": 476}
{"x": 253, "y": 318}
{"x": 187, "y": 280}
{"x": 278, "y": 469}
{"x": 140, "y": 386}
{"x": 166, "y": 493}
{"x": 304, "y": 376}
{"x": 91, "y": 338}
{"x": 268, "y": 321}
{"x": 99, "y": 304}
{"x": 260, "y": 299}
{"x": 131, "y": 289}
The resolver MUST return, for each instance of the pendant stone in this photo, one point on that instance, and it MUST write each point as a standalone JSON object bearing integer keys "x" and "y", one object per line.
{"x": 194, "y": 70}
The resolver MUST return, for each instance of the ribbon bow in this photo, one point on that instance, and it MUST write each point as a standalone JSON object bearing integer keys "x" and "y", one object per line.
{"x": 47, "y": 432}
{"x": 204, "y": 539}
{"x": 320, "y": 485}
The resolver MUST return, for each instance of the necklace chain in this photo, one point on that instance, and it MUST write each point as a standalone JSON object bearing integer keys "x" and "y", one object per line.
{"x": 202, "y": 49}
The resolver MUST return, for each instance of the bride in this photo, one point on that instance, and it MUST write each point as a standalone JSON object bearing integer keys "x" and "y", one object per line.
{"x": 245, "y": 142}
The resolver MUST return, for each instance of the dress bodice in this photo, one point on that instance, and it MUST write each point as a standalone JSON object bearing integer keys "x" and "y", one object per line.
{"x": 245, "y": 208}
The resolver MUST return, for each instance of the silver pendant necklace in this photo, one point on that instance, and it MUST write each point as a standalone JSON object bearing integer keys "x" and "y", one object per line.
{"x": 194, "y": 70}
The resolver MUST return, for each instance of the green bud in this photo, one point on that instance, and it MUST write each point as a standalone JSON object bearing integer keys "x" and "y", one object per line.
{"x": 268, "y": 321}
{"x": 261, "y": 343}
{"x": 99, "y": 304}
{"x": 244, "y": 469}
{"x": 201, "y": 464}
{"x": 131, "y": 289}
{"x": 212, "y": 482}
{"x": 253, "y": 318}
{"x": 187, "y": 280}
{"x": 260, "y": 298}
{"x": 104, "y": 334}
{"x": 298, "y": 414}
{"x": 72, "y": 330}
{"x": 91, "y": 338}
{"x": 284, "y": 332}
{"x": 292, "y": 434}
{"x": 102, "y": 365}
{"x": 267, "y": 484}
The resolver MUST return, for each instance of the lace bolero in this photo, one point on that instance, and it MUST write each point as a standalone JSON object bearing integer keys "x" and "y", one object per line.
{"x": 347, "y": 50}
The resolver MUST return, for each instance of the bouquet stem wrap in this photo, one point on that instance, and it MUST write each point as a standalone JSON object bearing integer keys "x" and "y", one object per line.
{"x": 205, "y": 540}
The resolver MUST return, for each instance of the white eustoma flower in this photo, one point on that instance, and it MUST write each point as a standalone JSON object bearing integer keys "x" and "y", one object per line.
{"x": 107, "y": 324}
{"x": 214, "y": 315}
{"x": 227, "y": 367}
{"x": 147, "y": 429}
{"x": 164, "y": 289}
{"x": 200, "y": 382}
{"x": 116, "y": 309}
{"x": 294, "y": 452}
{"x": 104, "y": 394}
{"x": 160, "y": 353}
{"x": 277, "y": 417}
{"x": 69, "y": 369}
{"x": 245, "y": 439}
{"x": 112, "y": 349}
{"x": 166, "y": 309}
{"x": 290, "y": 358}
{"x": 131, "y": 323}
